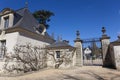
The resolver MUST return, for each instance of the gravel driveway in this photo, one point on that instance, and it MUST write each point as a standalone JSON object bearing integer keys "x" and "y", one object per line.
{"x": 78, "y": 73}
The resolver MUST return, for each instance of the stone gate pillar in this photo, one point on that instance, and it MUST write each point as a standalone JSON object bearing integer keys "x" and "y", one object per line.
{"x": 105, "y": 41}
{"x": 78, "y": 46}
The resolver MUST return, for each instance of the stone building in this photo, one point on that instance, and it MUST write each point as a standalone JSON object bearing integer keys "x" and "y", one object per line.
{"x": 112, "y": 58}
{"x": 87, "y": 53}
{"x": 19, "y": 27}
{"x": 61, "y": 54}
{"x": 110, "y": 51}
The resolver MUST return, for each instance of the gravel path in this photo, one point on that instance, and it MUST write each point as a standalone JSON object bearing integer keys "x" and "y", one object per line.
{"x": 79, "y": 73}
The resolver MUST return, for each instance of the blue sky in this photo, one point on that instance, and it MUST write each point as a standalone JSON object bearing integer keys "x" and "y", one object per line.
{"x": 87, "y": 16}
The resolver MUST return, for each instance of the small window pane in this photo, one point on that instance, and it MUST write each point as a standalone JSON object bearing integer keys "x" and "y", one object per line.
{"x": 6, "y": 24}
{"x": 57, "y": 54}
{"x": 2, "y": 48}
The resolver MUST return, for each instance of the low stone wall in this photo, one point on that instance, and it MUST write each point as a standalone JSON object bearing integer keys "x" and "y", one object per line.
{"x": 1, "y": 66}
{"x": 65, "y": 61}
{"x": 112, "y": 59}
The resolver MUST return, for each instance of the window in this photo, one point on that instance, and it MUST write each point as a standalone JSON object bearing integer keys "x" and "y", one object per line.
{"x": 2, "y": 48}
{"x": 3, "y": 43}
{"x": 40, "y": 29}
{"x": 57, "y": 54}
{"x": 6, "y": 23}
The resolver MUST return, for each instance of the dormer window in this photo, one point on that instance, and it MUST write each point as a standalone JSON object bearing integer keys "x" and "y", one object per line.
{"x": 6, "y": 23}
{"x": 7, "y": 18}
{"x": 41, "y": 29}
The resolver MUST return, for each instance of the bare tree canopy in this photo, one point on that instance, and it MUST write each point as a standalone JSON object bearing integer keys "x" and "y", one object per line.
{"x": 26, "y": 58}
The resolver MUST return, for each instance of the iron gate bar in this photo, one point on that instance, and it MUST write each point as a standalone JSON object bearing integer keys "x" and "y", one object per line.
{"x": 95, "y": 57}
{"x": 90, "y": 40}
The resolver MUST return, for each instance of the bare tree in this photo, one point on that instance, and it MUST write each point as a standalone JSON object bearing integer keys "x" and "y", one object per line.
{"x": 26, "y": 58}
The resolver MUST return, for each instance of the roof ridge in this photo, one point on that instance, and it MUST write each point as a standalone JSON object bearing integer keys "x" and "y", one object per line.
{"x": 20, "y": 9}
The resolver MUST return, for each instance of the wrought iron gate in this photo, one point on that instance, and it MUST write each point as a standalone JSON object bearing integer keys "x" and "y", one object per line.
{"x": 92, "y": 54}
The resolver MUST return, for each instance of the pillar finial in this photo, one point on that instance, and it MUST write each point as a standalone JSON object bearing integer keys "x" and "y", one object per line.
{"x": 103, "y": 30}
{"x": 77, "y": 37}
{"x": 78, "y": 34}
{"x": 104, "y": 35}
{"x": 118, "y": 37}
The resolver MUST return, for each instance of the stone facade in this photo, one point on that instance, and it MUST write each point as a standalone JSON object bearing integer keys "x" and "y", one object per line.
{"x": 20, "y": 28}
{"x": 110, "y": 51}
{"x": 112, "y": 58}
{"x": 60, "y": 55}
{"x": 78, "y": 46}
{"x": 64, "y": 61}
{"x": 117, "y": 56}
{"x": 105, "y": 41}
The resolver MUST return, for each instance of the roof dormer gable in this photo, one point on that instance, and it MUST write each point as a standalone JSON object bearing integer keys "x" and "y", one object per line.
{"x": 6, "y": 18}
{"x": 6, "y": 11}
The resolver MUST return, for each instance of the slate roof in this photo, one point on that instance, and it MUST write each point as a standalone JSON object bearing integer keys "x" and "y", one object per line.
{"x": 24, "y": 19}
{"x": 61, "y": 45}
{"x": 21, "y": 11}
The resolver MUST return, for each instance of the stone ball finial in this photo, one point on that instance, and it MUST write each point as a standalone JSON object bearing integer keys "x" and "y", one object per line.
{"x": 118, "y": 40}
{"x": 78, "y": 34}
{"x": 103, "y": 30}
{"x": 119, "y": 36}
{"x": 77, "y": 37}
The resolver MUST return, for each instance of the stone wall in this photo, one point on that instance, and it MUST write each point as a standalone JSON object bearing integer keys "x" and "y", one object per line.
{"x": 66, "y": 58}
{"x": 117, "y": 56}
{"x": 109, "y": 60}
{"x": 105, "y": 44}
{"x": 112, "y": 58}
{"x": 15, "y": 38}
{"x": 11, "y": 41}
{"x": 2, "y": 21}
{"x": 24, "y": 39}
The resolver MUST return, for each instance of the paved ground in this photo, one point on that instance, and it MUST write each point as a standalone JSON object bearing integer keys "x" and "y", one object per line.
{"x": 81, "y": 73}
